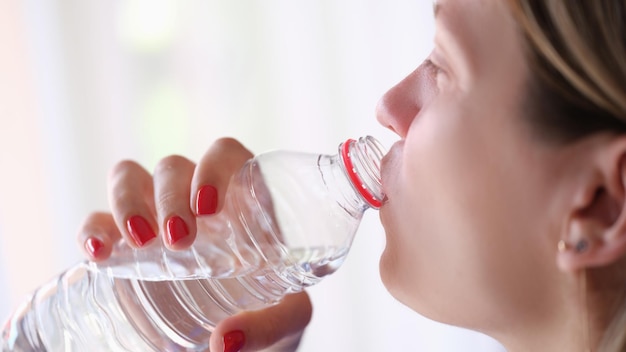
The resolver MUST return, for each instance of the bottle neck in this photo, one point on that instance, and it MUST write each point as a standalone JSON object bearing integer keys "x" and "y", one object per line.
{"x": 361, "y": 163}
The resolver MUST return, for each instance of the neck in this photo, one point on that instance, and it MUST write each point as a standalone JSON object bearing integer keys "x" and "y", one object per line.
{"x": 571, "y": 325}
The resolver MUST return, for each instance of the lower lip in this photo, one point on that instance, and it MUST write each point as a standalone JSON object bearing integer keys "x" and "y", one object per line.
{"x": 389, "y": 164}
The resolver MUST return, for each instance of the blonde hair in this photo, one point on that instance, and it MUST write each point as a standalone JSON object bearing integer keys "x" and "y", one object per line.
{"x": 576, "y": 50}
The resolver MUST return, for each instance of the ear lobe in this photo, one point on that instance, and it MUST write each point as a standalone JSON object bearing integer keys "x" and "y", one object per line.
{"x": 593, "y": 247}
{"x": 594, "y": 235}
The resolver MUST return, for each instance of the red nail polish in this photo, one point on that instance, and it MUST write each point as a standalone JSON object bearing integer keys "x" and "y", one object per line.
{"x": 140, "y": 230}
{"x": 206, "y": 200}
{"x": 176, "y": 229}
{"x": 94, "y": 246}
{"x": 234, "y": 341}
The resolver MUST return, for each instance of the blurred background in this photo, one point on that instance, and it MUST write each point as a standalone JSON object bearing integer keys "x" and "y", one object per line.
{"x": 84, "y": 84}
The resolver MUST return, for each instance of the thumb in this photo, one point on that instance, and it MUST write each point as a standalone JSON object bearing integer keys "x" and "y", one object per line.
{"x": 256, "y": 330}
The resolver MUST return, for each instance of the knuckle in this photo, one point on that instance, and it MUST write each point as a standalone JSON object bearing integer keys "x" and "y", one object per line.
{"x": 128, "y": 182}
{"x": 95, "y": 217}
{"x": 124, "y": 168}
{"x": 93, "y": 223}
{"x": 229, "y": 151}
{"x": 169, "y": 163}
{"x": 227, "y": 143}
{"x": 91, "y": 220}
{"x": 123, "y": 198}
{"x": 167, "y": 200}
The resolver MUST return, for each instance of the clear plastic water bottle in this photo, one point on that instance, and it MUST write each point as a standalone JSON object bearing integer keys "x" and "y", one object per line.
{"x": 289, "y": 219}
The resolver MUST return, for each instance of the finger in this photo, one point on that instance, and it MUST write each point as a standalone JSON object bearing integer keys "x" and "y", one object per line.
{"x": 97, "y": 235}
{"x": 131, "y": 197}
{"x": 172, "y": 182}
{"x": 213, "y": 172}
{"x": 256, "y": 330}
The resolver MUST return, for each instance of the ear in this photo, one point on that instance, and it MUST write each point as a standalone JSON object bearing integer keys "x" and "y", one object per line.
{"x": 594, "y": 231}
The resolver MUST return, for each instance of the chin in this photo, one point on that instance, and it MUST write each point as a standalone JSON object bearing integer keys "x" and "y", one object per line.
{"x": 395, "y": 284}
{"x": 398, "y": 279}
{"x": 389, "y": 271}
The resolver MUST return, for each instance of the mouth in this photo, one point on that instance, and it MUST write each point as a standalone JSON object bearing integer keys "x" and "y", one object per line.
{"x": 389, "y": 167}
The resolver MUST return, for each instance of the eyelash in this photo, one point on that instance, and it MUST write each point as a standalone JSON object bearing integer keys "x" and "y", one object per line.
{"x": 436, "y": 70}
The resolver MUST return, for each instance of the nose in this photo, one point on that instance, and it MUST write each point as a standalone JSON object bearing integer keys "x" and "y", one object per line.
{"x": 398, "y": 108}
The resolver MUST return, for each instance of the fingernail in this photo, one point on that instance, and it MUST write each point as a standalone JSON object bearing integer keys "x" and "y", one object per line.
{"x": 206, "y": 200}
{"x": 176, "y": 229}
{"x": 140, "y": 230}
{"x": 94, "y": 246}
{"x": 234, "y": 341}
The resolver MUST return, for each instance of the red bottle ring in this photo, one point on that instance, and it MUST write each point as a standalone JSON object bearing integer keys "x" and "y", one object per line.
{"x": 354, "y": 177}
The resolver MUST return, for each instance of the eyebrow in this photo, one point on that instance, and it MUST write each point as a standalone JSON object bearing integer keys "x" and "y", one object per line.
{"x": 457, "y": 54}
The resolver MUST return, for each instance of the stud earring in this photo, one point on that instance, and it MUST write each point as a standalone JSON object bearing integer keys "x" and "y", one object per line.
{"x": 580, "y": 247}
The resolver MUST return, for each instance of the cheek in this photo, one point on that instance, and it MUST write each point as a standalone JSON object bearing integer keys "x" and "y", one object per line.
{"x": 449, "y": 221}
{"x": 423, "y": 220}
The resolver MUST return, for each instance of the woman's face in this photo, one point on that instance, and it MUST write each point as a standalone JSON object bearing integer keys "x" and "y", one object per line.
{"x": 469, "y": 216}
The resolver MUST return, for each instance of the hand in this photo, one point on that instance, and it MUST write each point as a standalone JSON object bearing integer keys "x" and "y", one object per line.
{"x": 167, "y": 202}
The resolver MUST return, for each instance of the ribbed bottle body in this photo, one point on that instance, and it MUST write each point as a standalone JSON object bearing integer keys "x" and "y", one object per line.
{"x": 87, "y": 310}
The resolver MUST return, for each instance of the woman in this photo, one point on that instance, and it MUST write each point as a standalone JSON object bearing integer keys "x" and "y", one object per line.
{"x": 506, "y": 208}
